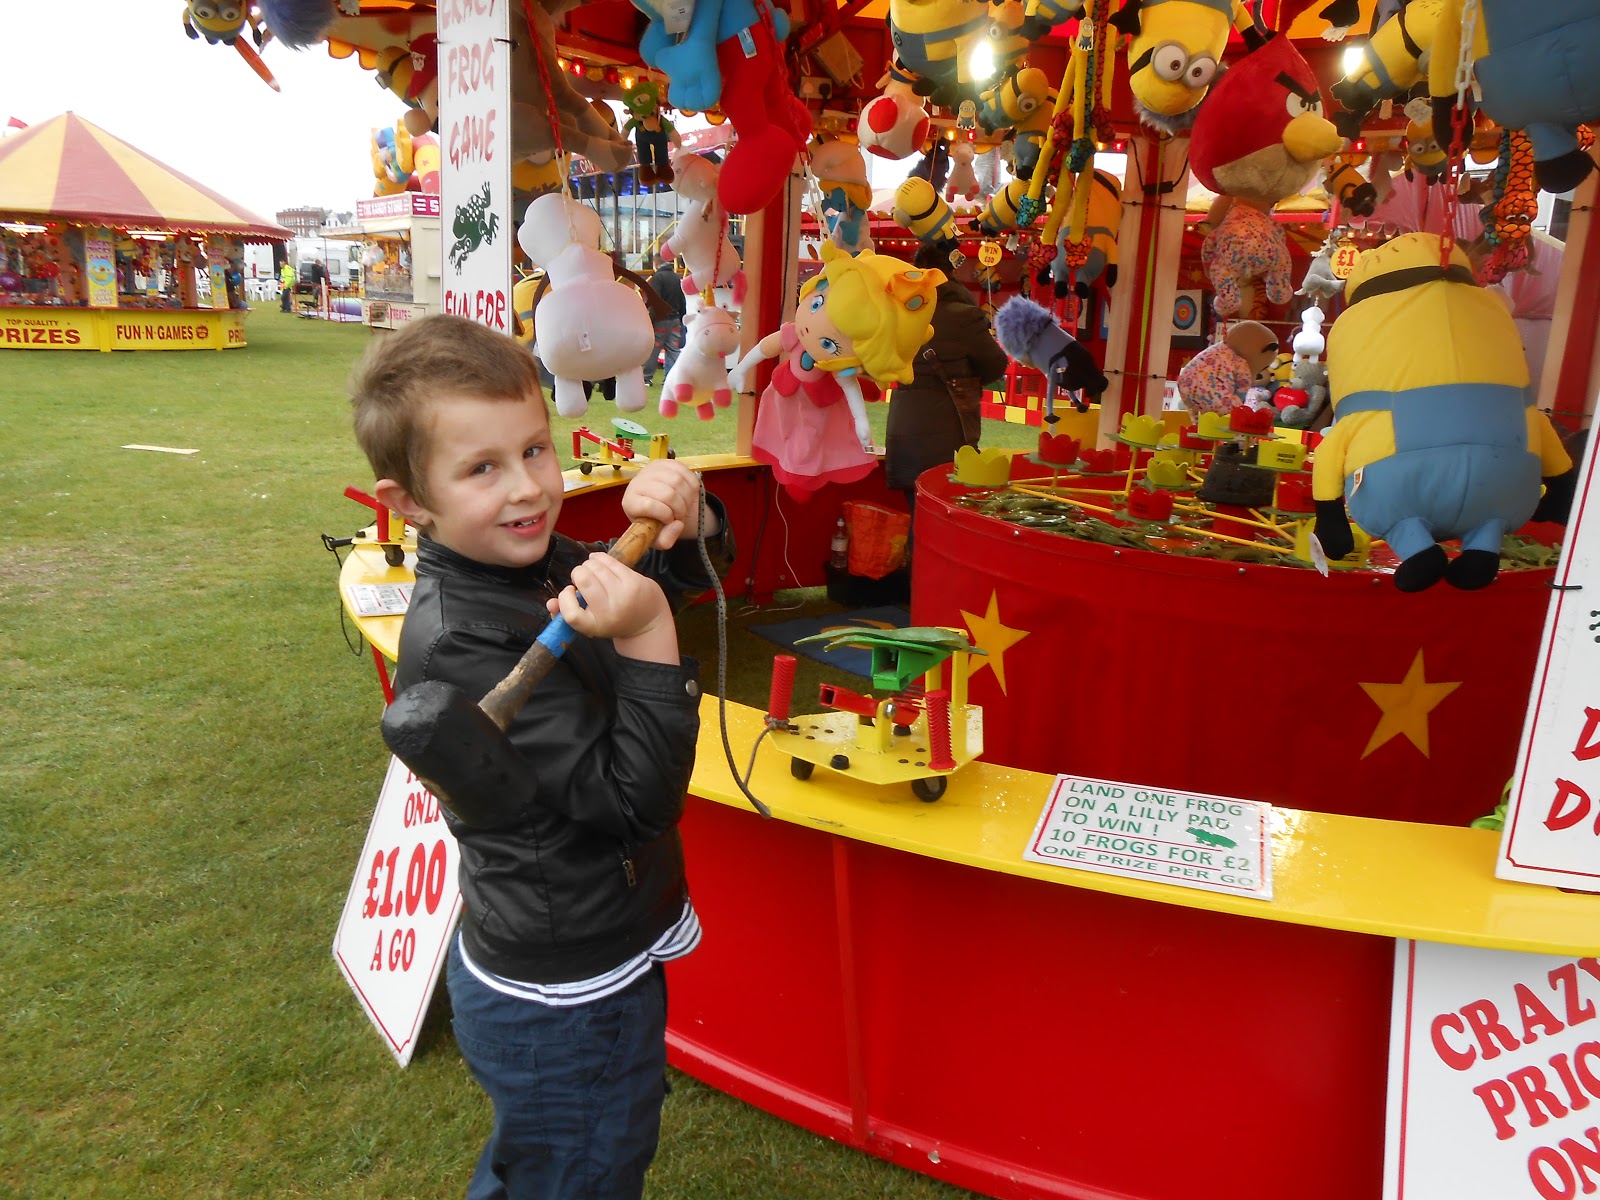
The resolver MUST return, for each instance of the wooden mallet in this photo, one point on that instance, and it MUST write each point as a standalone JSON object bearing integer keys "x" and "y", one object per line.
{"x": 459, "y": 748}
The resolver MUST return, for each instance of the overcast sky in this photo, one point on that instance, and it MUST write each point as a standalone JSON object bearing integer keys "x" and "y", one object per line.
{"x": 128, "y": 66}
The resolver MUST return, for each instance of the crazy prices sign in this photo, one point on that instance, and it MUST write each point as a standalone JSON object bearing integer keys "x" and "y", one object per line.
{"x": 401, "y": 910}
{"x": 1552, "y": 830}
{"x": 1494, "y": 1075}
{"x": 475, "y": 183}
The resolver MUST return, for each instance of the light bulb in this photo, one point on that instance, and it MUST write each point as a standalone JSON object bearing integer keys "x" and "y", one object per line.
{"x": 981, "y": 61}
{"x": 1354, "y": 56}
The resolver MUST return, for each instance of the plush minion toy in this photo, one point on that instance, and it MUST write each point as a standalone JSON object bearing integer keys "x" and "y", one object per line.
{"x": 1222, "y": 374}
{"x": 1435, "y": 445}
{"x": 1022, "y": 102}
{"x": 1259, "y": 138}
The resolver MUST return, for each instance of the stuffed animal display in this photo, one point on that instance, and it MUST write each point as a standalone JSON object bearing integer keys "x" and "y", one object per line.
{"x": 699, "y": 378}
{"x": 1221, "y": 376}
{"x": 1426, "y": 447}
{"x": 1536, "y": 65}
{"x": 865, "y": 314}
{"x": 1028, "y": 333}
{"x": 588, "y": 326}
{"x": 700, "y": 238}
{"x": 732, "y": 57}
{"x": 1259, "y": 138}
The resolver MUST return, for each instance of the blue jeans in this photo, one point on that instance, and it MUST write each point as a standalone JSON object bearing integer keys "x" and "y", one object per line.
{"x": 577, "y": 1091}
{"x": 669, "y": 344}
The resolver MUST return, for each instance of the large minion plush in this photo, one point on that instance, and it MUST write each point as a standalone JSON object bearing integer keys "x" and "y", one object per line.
{"x": 1435, "y": 435}
{"x": 1175, "y": 54}
{"x": 1536, "y": 67}
{"x": 1391, "y": 63}
{"x": 1022, "y": 102}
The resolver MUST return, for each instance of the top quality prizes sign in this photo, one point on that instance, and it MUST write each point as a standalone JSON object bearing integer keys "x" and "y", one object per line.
{"x": 1552, "y": 830}
{"x": 475, "y": 172}
{"x": 402, "y": 908}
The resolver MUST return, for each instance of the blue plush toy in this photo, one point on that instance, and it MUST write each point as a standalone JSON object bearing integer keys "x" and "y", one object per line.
{"x": 731, "y": 57}
{"x": 1539, "y": 69}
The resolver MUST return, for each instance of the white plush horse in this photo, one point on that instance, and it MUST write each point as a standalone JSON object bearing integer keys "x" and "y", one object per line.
{"x": 700, "y": 375}
{"x": 701, "y": 237}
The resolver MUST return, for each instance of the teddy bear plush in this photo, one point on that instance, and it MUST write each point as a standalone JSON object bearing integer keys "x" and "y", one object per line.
{"x": 589, "y": 326}
{"x": 1221, "y": 376}
{"x": 732, "y": 57}
{"x": 700, "y": 375}
{"x": 700, "y": 238}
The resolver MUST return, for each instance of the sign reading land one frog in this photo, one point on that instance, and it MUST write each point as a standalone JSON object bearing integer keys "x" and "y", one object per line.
{"x": 1191, "y": 839}
{"x": 1552, "y": 828}
{"x": 475, "y": 175}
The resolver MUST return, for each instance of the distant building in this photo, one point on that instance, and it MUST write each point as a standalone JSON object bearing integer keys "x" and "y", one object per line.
{"x": 304, "y": 221}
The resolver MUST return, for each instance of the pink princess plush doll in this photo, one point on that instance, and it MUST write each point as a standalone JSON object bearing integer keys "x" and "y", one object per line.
{"x": 866, "y": 314}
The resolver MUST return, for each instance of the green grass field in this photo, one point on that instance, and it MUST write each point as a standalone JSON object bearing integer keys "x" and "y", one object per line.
{"x": 190, "y": 761}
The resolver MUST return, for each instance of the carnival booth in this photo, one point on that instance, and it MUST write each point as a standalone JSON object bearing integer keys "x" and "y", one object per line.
{"x": 1123, "y": 879}
{"x": 400, "y": 257}
{"x": 103, "y": 248}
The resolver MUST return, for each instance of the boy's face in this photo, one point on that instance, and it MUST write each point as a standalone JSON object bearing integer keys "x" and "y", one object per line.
{"x": 492, "y": 479}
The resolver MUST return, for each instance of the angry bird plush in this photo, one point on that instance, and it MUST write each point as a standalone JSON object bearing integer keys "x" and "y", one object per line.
{"x": 1426, "y": 447}
{"x": 732, "y": 58}
{"x": 1536, "y": 66}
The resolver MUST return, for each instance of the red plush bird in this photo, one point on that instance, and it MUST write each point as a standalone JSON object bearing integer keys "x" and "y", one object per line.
{"x": 1260, "y": 134}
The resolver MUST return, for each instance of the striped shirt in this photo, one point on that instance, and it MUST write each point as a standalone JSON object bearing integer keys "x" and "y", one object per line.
{"x": 683, "y": 937}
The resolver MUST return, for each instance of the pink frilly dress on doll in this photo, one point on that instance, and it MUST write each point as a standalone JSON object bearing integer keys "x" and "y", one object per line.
{"x": 804, "y": 429}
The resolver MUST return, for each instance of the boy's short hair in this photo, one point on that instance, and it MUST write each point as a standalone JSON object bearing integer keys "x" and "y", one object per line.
{"x": 404, "y": 371}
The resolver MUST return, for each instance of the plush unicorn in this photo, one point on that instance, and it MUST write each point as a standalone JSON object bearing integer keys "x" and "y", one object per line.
{"x": 701, "y": 238}
{"x": 591, "y": 327}
{"x": 700, "y": 376}
{"x": 963, "y": 180}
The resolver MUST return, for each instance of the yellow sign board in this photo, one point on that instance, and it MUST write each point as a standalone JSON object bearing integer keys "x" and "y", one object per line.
{"x": 989, "y": 254}
{"x": 1344, "y": 260}
{"x": 121, "y": 329}
{"x": 100, "y": 269}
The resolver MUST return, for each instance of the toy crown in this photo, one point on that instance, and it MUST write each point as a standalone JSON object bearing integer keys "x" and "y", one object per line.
{"x": 913, "y": 290}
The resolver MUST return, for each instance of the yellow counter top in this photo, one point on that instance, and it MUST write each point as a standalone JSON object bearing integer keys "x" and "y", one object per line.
{"x": 1390, "y": 878}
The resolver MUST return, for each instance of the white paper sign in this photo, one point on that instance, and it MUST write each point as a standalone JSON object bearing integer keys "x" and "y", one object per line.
{"x": 475, "y": 171}
{"x": 1192, "y": 839}
{"x": 1494, "y": 1075}
{"x": 1552, "y": 830}
{"x": 401, "y": 911}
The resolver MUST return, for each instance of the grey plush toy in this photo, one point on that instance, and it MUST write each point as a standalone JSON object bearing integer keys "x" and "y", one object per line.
{"x": 1028, "y": 333}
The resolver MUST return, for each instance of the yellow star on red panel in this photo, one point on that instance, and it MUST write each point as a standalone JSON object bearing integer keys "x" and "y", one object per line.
{"x": 993, "y": 638}
{"x": 1405, "y": 707}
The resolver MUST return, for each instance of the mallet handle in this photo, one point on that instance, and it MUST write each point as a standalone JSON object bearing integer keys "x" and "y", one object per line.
{"x": 511, "y": 693}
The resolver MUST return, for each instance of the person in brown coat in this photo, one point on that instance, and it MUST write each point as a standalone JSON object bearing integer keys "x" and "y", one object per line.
{"x": 937, "y": 413}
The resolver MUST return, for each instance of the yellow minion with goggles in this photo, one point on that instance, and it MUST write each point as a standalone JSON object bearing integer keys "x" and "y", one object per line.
{"x": 864, "y": 314}
{"x": 1174, "y": 55}
{"x": 220, "y": 22}
{"x": 1435, "y": 435}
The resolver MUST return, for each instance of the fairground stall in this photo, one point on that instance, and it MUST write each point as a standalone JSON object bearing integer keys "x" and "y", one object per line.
{"x": 103, "y": 248}
{"x": 1132, "y": 874}
{"x": 400, "y": 258}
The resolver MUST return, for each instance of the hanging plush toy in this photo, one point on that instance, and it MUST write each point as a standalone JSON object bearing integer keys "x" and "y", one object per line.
{"x": 652, "y": 133}
{"x": 1221, "y": 376}
{"x": 895, "y": 124}
{"x": 412, "y": 73}
{"x": 583, "y": 131}
{"x": 1259, "y": 138}
{"x": 699, "y": 377}
{"x": 1023, "y": 103}
{"x": 220, "y": 22}
{"x": 1302, "y": 401}
{"x": 1001, "y": 213}
{"x": 700, "y": 238}
{"x": 865, "y": 314}
{"x": 1101, "y": 227}
{"x": 936, "y": 43}
{"x": 1174, "y": 53}
{"x": 1427, "y": 447}
{"x": 841, "y": 175}
{"x": 963, "y": 181}
{"x": 1538, "y": 66}
{"x": 393, "y": 165}
{"x": 732, "y": 57}
{"x": 589, "y": 325}
{"x": 1320, "y": 282}
{"x": 1390, "y": 62}
{"x": 1028, "y": 333}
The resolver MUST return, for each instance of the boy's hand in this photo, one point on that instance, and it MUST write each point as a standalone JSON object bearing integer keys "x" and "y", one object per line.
{"x": 622, "y": 605}
{"x": 667, "y": 491}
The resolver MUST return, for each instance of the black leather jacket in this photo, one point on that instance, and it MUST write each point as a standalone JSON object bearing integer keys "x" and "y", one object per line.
{"x": 588, "y": 872}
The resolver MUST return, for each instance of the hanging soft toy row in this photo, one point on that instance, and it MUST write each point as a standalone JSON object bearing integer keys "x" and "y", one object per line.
{"x": 864, "y": 315}
{"x": 1437, "y": 446}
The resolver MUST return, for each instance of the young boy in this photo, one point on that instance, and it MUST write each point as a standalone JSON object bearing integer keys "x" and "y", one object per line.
{"x": 574, "y": 894}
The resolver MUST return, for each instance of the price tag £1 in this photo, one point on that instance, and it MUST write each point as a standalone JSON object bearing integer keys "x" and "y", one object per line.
{"x": 401, "y": 910}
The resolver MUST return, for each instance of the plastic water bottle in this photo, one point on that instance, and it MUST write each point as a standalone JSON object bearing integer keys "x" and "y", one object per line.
{"x": 839, "y": 547}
